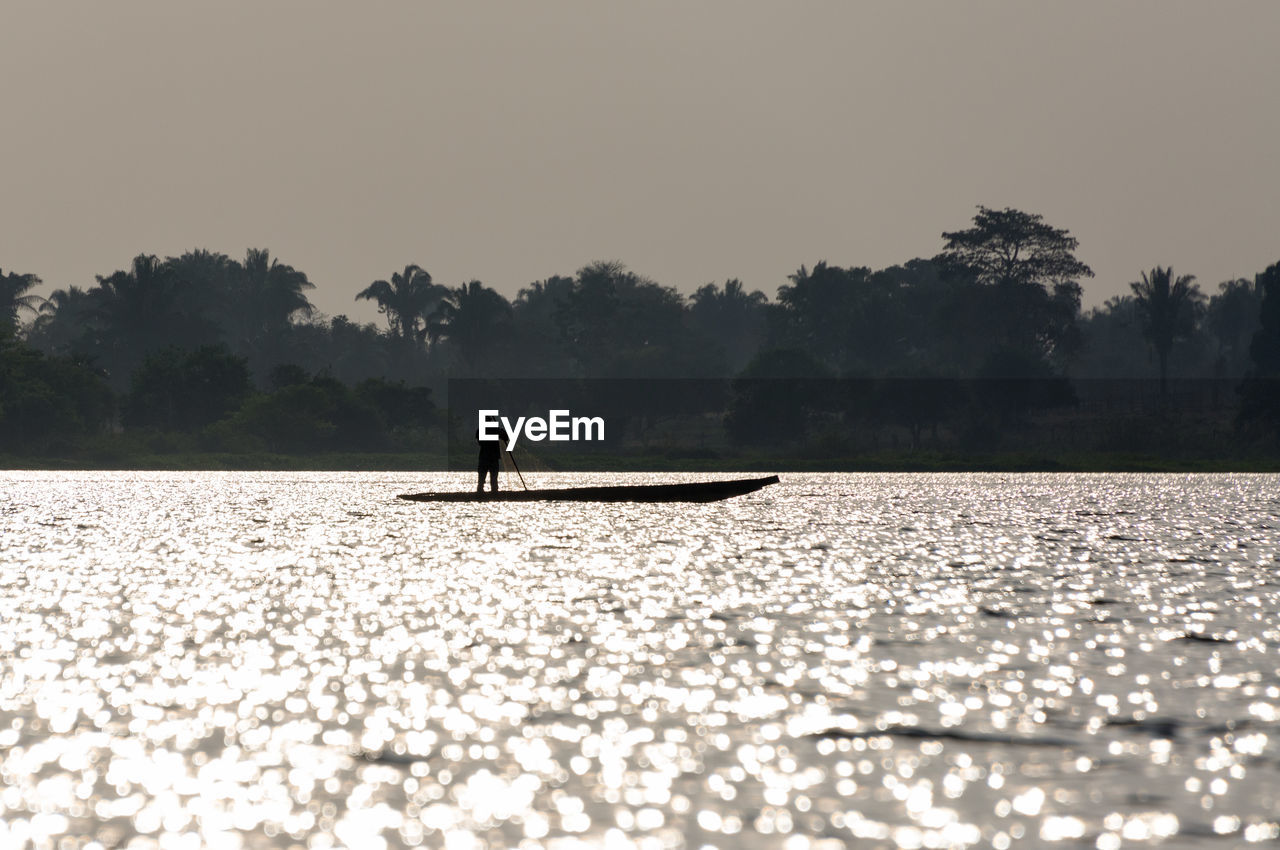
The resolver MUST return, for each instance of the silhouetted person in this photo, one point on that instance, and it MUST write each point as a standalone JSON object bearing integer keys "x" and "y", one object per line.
{"x": 489, "y": 461}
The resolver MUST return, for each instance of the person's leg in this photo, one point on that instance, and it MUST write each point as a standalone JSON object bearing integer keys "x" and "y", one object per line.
{"x": 493, "y": 478}
{"x": 480, "y": 478}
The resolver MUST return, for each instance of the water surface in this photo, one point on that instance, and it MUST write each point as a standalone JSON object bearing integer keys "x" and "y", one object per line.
{"x": 278, "y": 660}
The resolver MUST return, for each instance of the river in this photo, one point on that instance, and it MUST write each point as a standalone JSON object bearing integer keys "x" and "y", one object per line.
{"x": 299, "y": 660}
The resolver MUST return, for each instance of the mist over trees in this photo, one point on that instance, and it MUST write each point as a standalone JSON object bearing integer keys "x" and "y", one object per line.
{"x": 233, "y": 349}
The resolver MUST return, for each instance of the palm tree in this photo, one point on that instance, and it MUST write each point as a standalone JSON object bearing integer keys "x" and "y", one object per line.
{"x": 1168, "y": 307}
{"x": 271, "y": 295}
{"x": 407, "y": 300}
{"x": 471, "y": 318}
{"x": 62, "y": 320}
{"x": 730, "y": 300}
{"x": 13, "y": 295}
{"x": 63, "y": 299}
{"x": 732, "y": 317}
{"x": 133, "y": 313}
{"x": 208, "y": 288}
{"x": 275, "y": 292}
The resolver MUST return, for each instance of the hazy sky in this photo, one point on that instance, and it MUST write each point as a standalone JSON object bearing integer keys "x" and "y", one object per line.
{"x": 694, "y": 140}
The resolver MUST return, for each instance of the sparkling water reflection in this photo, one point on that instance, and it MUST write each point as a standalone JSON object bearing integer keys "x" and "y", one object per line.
{"x": 299, "y": 660}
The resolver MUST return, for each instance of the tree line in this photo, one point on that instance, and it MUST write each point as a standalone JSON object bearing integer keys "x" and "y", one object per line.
{"x": 201, "y": 340}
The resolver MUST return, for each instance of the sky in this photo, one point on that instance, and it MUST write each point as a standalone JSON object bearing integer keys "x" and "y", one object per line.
{"x": 694, "y": 141}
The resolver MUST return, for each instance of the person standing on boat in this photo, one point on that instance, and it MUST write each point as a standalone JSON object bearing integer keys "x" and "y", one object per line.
{"x": 488, "y": 462}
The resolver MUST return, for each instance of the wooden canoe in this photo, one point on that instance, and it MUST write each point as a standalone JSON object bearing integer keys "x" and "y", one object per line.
{"x": 698, "y": 491}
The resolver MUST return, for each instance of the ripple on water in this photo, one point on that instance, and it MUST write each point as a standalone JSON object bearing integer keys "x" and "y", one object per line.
{"x": 278, "y": 660}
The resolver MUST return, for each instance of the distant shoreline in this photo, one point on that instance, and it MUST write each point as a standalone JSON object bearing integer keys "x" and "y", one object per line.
{"x": 882, "y": 462}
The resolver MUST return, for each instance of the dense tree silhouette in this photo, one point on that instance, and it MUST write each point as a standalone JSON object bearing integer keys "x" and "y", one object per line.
{"x": 45, "y": 400}
{"x": 474, "y": 320}
{"x": 1168, "y": 308}
{"x": 134, "y": 312}
{"x": 617, "y": 323}
{"x": 776, "y": 396}
{"x": 1260, "y": 392}
{"x": 1000, "y": 303}
{"x": 180, "y": 390}
{"x": 199, "y": 298}
{"x": 820, "y": 309}
{"x": 1028, "y": 276}
{"x": 905, "y": 337}
{"x": 864, "y": 323}
{"x": 206, "y": 286}
{"x": 536, "y": 329}
{"x": 399, "y": 405}
{"x": 353, "y": 352}
{"x": 1232, "y": 319}
{"x": 1111, "y": 346}
{"x": 321, "y": 414}
{"x": 731, "y": 319}
{"x": 590, "y": 316}
{"x": 1264, "y": 350}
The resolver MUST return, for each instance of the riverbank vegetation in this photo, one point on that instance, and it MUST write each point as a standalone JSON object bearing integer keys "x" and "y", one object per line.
{"x": 980, "y": 355}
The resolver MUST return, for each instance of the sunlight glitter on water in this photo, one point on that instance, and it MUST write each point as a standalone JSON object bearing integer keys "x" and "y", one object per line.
{"x": 299, "y": 660}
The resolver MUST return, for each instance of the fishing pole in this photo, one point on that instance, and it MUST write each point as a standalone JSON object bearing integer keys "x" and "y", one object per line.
{"x": 517, "y": 466}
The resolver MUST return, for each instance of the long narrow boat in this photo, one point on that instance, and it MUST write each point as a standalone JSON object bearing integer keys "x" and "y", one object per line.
{"x": 699, "y": 491}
